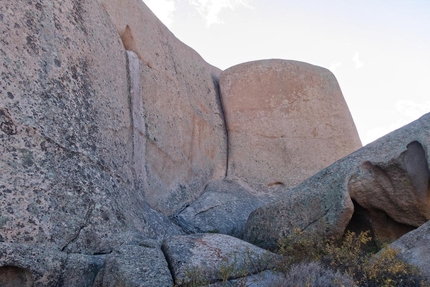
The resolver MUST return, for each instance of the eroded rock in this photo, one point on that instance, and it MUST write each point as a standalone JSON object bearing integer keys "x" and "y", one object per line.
{"x": 25, "y": 265}
{"x": 68, "y": 178}
{"x": 207, "y": 258}
{"x": 387, "y": 181}
{"x": 135, "y": 265}
{"x": 186, "y": 141}
{"x": 223, "y": 208}
{"x": 414, "y": 248}
{"x": 286, "y": 120}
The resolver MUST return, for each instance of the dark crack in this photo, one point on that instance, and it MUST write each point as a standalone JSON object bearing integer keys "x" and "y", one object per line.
{"x": 81, "y": 227}
{"x": 316, "y": 220}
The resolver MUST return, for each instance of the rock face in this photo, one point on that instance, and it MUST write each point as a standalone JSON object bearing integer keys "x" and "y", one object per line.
{"x": 186, "y": 144}
{"x": 223, "y": 208}
{"x": 68, "y": 177}
{"x": 213, "y": 257}
{"x": 414, "y": 248}
{"x": 286, "y": 120}
{"x": 388, "y": 181}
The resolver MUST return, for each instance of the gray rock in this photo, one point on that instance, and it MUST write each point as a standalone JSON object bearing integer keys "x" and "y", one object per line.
{"x": 223, "y": 208}
{"x": 414, "y": 248}
{"x": 134, "y": 265}
{"x": 69, "y": 170}
{"x": 207, "y": 258}
{"x": 393, "y": 168}
{"x": 24, "y": 265}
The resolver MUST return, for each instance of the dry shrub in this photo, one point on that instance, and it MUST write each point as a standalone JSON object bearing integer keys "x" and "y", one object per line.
{"x": 351, "y": 256}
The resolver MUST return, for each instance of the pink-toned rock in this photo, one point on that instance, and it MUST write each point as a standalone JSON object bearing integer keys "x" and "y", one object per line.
{"x": 186, "y": 143}
{"x": 286, "y": 120}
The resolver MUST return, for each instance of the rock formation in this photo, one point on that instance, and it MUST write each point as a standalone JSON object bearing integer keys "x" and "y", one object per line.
{"x": 115, "y": 143}
{"x": 185, "y": 143}
{"x": 414, "y": 248}
{"x": 286, "y": 120}
{"x": 388, "y": 181}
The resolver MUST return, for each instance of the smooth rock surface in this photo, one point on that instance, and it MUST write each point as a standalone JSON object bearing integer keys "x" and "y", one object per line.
{"x": 414, "y": 248}
{"x": 223, "y": 208}
{"x": 387, "y": 180}
{"x": 68, "y": 176}
{"x": 212, "y": 257}
{"x": 186, "y": 144}
{"x": 286, "y": 120}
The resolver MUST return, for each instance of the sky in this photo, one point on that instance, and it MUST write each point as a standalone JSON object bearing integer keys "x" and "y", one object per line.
{"x": 379, "y": 50}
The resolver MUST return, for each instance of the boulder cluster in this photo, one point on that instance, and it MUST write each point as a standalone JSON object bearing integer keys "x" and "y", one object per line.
{"x": 127, "y": 160}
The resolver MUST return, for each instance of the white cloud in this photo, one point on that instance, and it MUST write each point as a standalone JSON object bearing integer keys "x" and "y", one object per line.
{"x": 163, "y": 9}
{"x": 334, "y": 65}
{"x": 210, "y": 9}
{"x": 357, "y": 62}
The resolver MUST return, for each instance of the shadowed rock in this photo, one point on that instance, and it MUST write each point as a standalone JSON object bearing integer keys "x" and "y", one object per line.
{"x": 414, "y": 248}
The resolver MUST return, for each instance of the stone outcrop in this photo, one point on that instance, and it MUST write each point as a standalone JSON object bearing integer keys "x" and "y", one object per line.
{"x": 223, "y": 208}
{"x": 68, "y": 177}
{"x": 24, "y": 265}
{"x": 387, "y": 181}
{"x": 214, "y": 257}
{"x": 286, "y": 120}
{"x": 185, "y": 142}
{"x": 414, "y": 248}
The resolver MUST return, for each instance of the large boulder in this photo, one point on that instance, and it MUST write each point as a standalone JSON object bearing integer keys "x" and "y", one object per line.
{"x": 186, "y": 144}
{"x": 201, "y": 259}
{"x": 414, "y": 248}
{"x": 286, "y": 120}
{"x": 223, "y": 208}
{"x": 388, "y": 181}
{"x": 68, "y": 177}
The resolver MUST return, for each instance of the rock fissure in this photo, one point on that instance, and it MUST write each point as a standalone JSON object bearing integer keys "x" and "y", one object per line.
{"x": 81, "y": 227}
{"x": 317, "y": 219}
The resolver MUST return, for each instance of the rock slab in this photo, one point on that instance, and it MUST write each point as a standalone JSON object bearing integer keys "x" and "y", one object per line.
{"x": 286, "y": 120}
{"x": 207, "y": 258}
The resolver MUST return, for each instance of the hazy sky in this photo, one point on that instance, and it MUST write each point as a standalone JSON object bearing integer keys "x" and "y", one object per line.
{"x": 378, "y": 50}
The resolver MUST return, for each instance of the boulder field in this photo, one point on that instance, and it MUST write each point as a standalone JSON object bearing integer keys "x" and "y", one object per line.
{"x": 127, "y": 160}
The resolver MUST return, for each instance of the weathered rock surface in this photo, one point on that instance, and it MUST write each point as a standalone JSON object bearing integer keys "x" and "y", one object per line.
{"x": 414, "y": 248}
{"x": 135, "y": 265}
{"x": 24, "y": 265}
{"x": 223, "y": 208}
{"x": 186, "y": 144}
{"x": 68, "y": 177}
{"x": 213, "y": 257}
{"x": 286, "y": 120}
{"x": 387, "y": 179}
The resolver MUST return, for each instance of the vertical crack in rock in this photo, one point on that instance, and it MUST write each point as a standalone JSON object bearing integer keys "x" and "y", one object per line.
{"x": 223, "y": 117}
{"x": 82, "y": 226}
{"x": 137, "y": 121}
